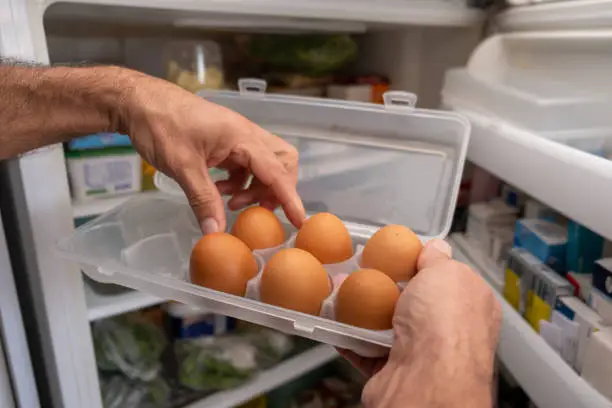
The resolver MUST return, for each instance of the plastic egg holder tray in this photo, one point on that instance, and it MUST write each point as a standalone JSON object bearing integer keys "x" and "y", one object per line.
{"x": 146, "y": 243}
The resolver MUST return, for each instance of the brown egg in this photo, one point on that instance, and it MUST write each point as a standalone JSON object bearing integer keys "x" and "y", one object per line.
{"x": 367, "y": 299}
{"x": 325, "y": 236}
{"x": 296, "y": 280}
{"x": 222, "y": 262}
{"x": 259, "y": 228}
{"x": 394, "y": 250}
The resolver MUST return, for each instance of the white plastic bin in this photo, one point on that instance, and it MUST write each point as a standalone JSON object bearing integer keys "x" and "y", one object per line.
{"x": 369, "y": 164}
{"x": 104, "y": 173}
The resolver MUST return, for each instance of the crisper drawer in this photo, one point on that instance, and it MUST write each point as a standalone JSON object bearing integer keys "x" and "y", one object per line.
{"x": 370, "y": 165}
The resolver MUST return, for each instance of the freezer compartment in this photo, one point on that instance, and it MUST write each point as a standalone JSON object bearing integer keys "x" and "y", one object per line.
{"x": 529, "y": 99}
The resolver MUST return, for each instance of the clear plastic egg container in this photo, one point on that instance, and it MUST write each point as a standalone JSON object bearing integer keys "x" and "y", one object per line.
{"x": 146, "y": 243}
{"x": 370, "y": 165}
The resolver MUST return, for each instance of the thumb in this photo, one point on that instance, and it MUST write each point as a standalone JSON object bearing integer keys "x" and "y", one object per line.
{"x": 436, "y": 251}
{"x": 204, "y": 198}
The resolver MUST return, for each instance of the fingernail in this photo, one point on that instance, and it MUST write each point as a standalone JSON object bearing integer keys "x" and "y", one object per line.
{"x": 209, "y": 226}
{"x": 442, "y": 246}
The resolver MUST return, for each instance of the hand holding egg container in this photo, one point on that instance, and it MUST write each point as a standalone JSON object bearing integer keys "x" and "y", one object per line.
{"x": 337, "y": 279}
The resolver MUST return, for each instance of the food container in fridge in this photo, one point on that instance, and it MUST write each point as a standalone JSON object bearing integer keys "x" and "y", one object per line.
{"x": 104, "y": 172}
{"x": 369, "y": 164}
{"x": 194, "y": 65}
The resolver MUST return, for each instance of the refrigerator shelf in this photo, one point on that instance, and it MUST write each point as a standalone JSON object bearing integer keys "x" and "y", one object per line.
{"x": 557, "y": 15}
{"x": 270, "y": 379}
{"x": 303, "y": 13}
{"x": 573, "y": 182}
{"x": 546, "y": 378}
{"x": 101, "y": 306}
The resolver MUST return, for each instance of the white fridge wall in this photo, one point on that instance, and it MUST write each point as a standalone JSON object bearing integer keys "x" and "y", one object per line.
{"x": 416, "y": 58}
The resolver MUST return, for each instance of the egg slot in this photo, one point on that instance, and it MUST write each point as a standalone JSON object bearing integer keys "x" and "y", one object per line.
{"x": 159, "y": 254}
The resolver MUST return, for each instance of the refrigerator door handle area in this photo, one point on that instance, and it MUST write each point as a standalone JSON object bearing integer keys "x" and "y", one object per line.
{"x": 15, "y": 362}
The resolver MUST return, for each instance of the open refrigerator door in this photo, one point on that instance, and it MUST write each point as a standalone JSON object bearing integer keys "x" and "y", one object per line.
{"x": 538, "y": 98}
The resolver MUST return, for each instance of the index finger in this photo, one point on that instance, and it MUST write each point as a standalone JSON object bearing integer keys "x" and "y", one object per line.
{"x": 272, "y": 173}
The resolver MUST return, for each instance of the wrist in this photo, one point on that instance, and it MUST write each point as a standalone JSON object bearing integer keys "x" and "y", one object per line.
{"x": 113, "y": 95}
{"x": 440, "y": 370}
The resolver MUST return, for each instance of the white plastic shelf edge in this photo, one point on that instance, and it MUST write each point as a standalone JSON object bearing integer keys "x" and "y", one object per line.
{"x": 573, "y": 182}
{"x": 102, "y": 306}
{"x": 414, "y": 12}
{"x": 548, "y": 380}
{"x": 270, "y": 379}
{"x": 559, "y": 15}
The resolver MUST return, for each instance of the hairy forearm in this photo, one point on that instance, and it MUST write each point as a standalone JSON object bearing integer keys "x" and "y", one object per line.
{"x": 41, "y": 106}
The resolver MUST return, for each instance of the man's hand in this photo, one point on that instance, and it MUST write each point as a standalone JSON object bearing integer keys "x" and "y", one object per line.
{"x": 174, "y": 130}
{"x": 446, "y": 325}
{"x": 183, "y": 135}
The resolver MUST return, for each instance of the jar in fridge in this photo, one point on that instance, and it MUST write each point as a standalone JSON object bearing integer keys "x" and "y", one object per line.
{"x": 194, "y": 65}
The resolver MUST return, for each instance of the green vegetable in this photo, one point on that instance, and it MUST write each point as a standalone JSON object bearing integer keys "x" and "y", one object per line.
{"x": 130, "y": 346}
{"x": 210, "y": 364}
{"x": 308, "y": 54}
{"x": 121, "y": 392}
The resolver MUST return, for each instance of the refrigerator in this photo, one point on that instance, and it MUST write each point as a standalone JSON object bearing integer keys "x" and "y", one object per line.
{"x": 459, "y": 55}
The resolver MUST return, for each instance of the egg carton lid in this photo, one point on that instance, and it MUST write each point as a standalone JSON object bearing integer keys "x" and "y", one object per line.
{"x": 370, "y": 164}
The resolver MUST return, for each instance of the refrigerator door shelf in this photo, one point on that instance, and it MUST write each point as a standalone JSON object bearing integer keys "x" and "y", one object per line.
{"x": 539, "y": 106}
{"x": 533, "y": 363}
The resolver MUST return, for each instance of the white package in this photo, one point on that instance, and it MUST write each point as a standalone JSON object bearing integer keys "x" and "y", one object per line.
{"x": 569, "y": 336}
{"x": 105, "y": 175}
{"x": 537, "y": 210}
{"x": 483, "y": 217}
{"x": 588, "y": 321}
{"x": 552, "y": 334}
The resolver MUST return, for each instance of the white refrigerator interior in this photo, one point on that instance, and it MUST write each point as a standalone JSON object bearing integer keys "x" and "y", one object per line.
{"x": 413, "y": 42}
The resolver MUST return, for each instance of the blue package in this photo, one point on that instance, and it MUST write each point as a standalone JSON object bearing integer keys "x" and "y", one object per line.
{"x": 584, "y": 247}
{"x": 206, "y": 325}
{"x": 547, "y": 241}
{"x": 564, "y": 309}
{"x": 512, "y": 196}
{"x": 100, "y": 141}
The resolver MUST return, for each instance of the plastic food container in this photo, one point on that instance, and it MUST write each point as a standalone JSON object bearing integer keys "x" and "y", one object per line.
{"x": 104, "y": 173}
{"x": 194, "y": 65}
{"x": 369, "y": 164}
